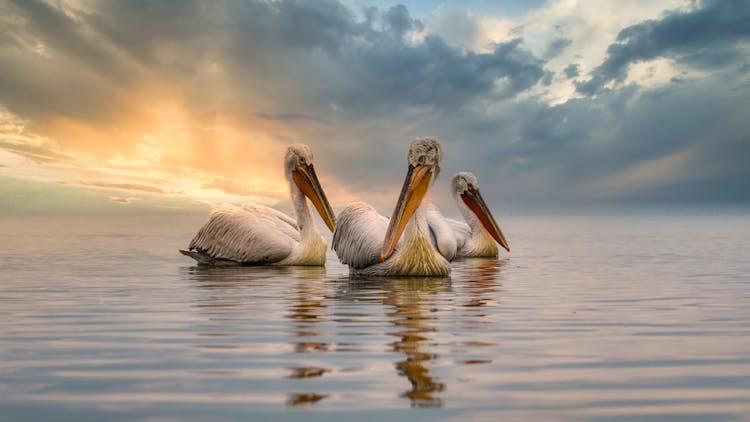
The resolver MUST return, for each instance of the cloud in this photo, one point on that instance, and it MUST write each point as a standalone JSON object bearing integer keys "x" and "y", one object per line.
{"x": 59, "y": 61}
{"x": 218, "y": 88}
{"x": 28, "y": 197}
{"x": 295, "y": 117}
{"x": 432, "y": 75}
{"x": 66, "y": 35}
{"x": 38, "y": 153}
{"x": 622, "y": 145}
{"x": 399, "y": 21}
{"x": 122, "y": 200}
{"x": 200, "y": 98}
{"x": 238, "y": 186}
{"x": 572, "y": 71}
{"x": 556, "y": 46}
{"x": 717, "y": 29}
{"x": 457, "y": 26}
{"x": 125, "y": 186}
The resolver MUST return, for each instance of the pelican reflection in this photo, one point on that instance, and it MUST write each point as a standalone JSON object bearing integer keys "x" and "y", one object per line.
{"x": 412, "y": 302}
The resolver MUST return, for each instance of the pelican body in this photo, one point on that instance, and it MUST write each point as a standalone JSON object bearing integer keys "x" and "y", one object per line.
{"x": 480, "y": 234}
{"x": 259, "y": 235}
{"x": 372, "y": 245}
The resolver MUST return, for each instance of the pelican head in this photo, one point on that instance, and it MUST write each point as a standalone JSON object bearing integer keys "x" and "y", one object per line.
{"x": 425, "y": 158}
{"x": 465, "y": 185}
{"x": 298, "y": 164}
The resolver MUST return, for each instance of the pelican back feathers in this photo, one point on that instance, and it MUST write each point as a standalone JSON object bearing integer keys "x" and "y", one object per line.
{"x": 248, "y": 235}
{"x": 358, "y": 236}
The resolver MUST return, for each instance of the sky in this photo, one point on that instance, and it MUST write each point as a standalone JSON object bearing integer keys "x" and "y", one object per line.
{"x": 176, "y": 105}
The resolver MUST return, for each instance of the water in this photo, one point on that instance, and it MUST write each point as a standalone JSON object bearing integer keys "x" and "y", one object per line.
{"x": 636, "y": 317}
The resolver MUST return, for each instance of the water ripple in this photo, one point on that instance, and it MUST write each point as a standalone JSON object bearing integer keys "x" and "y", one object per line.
{"x": 588, "y": 319}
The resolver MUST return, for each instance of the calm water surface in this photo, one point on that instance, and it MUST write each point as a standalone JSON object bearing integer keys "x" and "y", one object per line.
{"x": 606, "y": 318}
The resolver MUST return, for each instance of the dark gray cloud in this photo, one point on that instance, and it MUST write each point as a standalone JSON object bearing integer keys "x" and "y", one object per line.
{"x": 623, "y": 145}
{"x": 67, "y": 36}
{"x": 291, "y": 24}
{"x": 55, "y": 66}
{"x": 317, "y": 54}
{"x": 571, "y": 71}
{"x": 431, "y": 75}
{"x": 141, "y": 28}
{"x": 368, "y": 65}
{"x": 400, "y": 22}
{"x": 555, "y": 47}
{"x": 718, "y": 29}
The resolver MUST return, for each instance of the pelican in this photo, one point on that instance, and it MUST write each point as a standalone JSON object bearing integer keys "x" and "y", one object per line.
{"x": 373, "y": 246}
{"x": 477, "y": 236}
{"x": 259, "y": 235}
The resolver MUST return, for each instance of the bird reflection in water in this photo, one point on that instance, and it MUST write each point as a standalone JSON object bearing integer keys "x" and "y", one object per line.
{"x": 413, "y": 307}
{"x": 412, "y": 303}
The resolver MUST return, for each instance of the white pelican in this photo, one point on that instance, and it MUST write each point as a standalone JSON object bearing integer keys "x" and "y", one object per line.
{"x": 256, "y": 234}
{"x": 369, "y": 243}
{"x": 478, "y": 237}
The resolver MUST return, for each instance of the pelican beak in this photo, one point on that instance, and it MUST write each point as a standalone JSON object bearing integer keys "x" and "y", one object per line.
{"x": 307, "y": 181}
{"x": 476, "y": 204}
{"x": 415, "y": 186}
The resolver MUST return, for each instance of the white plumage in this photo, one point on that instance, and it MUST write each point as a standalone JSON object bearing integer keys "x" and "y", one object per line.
{"x": 372, "y": 245}
{"x": 358, "y": 237}
{"x": 479, "y": 235}
{"x": 442, "y": 232}
{"x": 257, "y": 235}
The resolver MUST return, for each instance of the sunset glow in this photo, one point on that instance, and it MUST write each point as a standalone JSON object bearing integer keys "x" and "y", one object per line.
{"x": 197, "y": 102}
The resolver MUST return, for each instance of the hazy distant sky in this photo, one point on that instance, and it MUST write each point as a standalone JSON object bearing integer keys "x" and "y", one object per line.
{"x": 163, "y": 103}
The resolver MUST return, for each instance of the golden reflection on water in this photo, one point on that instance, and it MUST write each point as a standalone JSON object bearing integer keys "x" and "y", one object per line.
{"x": 411, "y": 307}
{"x": 410, "y": 304}
{"x": 412, "y": 301}
{"x": 301, "y": 399}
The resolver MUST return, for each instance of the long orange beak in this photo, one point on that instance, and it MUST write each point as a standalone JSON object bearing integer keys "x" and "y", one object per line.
{"x": 307, "y": 181}
{"x": 476, "y": 204}
{"x": 415, "y": 186}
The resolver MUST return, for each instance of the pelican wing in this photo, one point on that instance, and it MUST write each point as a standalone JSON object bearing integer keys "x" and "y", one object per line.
{"x": 461, "y": 231}
{"x": 441, "y": 232}
{"x": 358, "y": 236}
{"x": 276, "y": 218}
{"x": 251, "y": 234}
